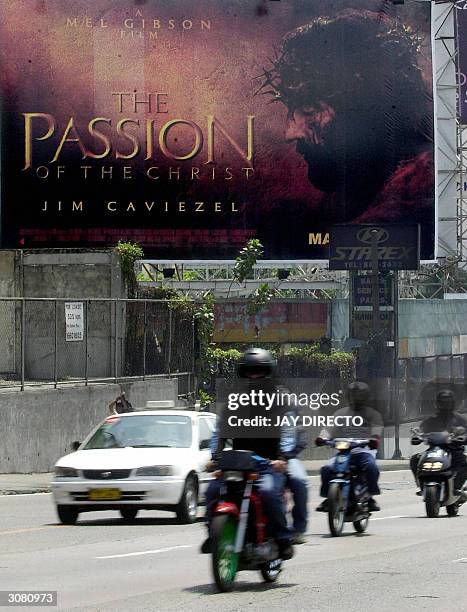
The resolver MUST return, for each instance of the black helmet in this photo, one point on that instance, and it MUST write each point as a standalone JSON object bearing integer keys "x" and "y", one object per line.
{"x": 445, "y": 400}
{"x": 256, "y": 363}
{"x": 358, "y": 386}
{"x": 358, "y": 394}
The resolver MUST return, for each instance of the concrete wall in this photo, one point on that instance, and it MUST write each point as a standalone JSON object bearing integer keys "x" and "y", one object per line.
{"x": 74, "y": 275}
{"x": 71, "y": 274}
{"x": 9, "y": 312}
{"x": 38, "y": 427}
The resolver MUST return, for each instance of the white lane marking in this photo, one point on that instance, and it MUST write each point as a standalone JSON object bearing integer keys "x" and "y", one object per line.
{"x": 460, "y": 560}
{"x": 394, "y": 471}
{"x": 29, "y": 529}
{"x": 384, "y": 518}
{"x": 402, "y": 481}
{"x": 145, "y": 552}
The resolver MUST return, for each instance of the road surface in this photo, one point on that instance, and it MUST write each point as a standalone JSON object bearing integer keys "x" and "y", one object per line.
{"x": 406, "y": 562}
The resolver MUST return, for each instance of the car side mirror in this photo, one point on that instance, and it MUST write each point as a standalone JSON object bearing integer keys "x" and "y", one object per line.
{"x": 75, "y": 445}
{"x": 204, "y": 444}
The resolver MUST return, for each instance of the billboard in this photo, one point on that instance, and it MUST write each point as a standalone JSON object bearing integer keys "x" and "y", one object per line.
{"x": 191, "y": 127}
{"x": 277, "y": 322}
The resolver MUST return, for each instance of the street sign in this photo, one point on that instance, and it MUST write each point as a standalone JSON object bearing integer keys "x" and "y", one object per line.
{"x": 363, "y": 327}
{"x": 361, "y": 290}
{"x": 74, "y": 321}
{"x": 397, "y": 247}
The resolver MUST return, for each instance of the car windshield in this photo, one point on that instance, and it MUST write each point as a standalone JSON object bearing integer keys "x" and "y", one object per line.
{"x": 145, "y": 431}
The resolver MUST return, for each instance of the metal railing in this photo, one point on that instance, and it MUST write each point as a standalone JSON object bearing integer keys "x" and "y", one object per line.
{"x": 60, "y": 341}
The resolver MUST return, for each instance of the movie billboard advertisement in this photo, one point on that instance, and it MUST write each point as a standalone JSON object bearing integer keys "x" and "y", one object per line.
{"x": 191, "y": 127}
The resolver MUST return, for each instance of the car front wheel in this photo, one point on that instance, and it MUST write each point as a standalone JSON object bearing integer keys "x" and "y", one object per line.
{"x": 68, "y": 515}
{"x": 129, "y": 514}
{"x": 187, "y": 509}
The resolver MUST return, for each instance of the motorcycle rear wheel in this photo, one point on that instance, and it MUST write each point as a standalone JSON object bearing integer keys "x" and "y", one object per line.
{"x": 336, "y": 512}
{"x": 224, "y": 559}
{"x": 432, "y": 501}
{"x": 271, "y": 570}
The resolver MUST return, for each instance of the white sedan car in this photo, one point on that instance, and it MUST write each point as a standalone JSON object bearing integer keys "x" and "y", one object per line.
{"x": 138, "y": 460}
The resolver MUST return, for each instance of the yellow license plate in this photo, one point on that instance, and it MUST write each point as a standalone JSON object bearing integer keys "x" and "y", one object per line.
{"x": 104, "y": 494}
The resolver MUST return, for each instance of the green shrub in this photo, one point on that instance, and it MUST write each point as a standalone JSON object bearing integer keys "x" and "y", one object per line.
{"x": 303, "y": 362}
{"x": 311, "y": 362}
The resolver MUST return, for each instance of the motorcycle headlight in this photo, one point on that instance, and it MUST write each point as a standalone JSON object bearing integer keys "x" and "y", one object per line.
{"x": 155, "y": 470}
{"x": 342, "y": 445}
{"x": 432, "y": 465}
{"x": 231, "y": 476}
{"x": 66, "y": 472}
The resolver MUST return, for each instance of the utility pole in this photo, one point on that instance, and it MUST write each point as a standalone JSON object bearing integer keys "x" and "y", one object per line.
{"x": 375, "y": 281}
{"x": 376, "y": 357}
{"x": 395, "y": 382}
{"x": 376, "y": 330}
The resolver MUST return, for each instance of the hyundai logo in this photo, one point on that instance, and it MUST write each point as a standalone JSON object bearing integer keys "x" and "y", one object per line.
{"x": 366, "y": 235}
{"x": 106, "y": 474}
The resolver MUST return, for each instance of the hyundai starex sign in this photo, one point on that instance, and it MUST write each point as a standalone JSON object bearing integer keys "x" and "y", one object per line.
{"x": 353, "y": 247}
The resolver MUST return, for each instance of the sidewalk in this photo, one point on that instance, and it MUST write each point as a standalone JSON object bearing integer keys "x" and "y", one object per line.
{"x": 15, "y": 484}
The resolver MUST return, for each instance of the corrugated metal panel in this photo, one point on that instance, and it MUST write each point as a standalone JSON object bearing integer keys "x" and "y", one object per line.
{"x": 340, "y": 319}
{"x": 422, "y": 318}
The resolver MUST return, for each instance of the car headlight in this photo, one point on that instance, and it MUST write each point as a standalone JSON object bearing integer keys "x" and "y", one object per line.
{"x": 66, "y": 472}
{"x": 155, "y": 470}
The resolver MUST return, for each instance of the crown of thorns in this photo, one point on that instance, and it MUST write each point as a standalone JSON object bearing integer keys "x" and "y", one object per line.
{"x": 295, "y": 73}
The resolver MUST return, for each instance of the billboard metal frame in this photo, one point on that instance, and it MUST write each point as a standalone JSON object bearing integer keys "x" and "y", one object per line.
{"x": 462, "y": 158}
{"x": 447, "y": 154}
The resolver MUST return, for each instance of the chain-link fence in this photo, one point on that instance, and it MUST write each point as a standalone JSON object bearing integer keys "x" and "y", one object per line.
{"x": 57, "y": 341}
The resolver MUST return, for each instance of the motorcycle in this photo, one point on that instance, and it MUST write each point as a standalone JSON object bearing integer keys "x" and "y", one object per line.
{"x": 239, "y": 526}
{"x": 435, "y": 474}
{"x": 348, "y": 492}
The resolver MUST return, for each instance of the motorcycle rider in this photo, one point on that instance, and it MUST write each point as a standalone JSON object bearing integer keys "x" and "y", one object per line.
{"x": 362, "y": 458}
{"x": 257, "y": 367}
{"x": 445, "y": 419}
{"x": 293, "y": 442}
